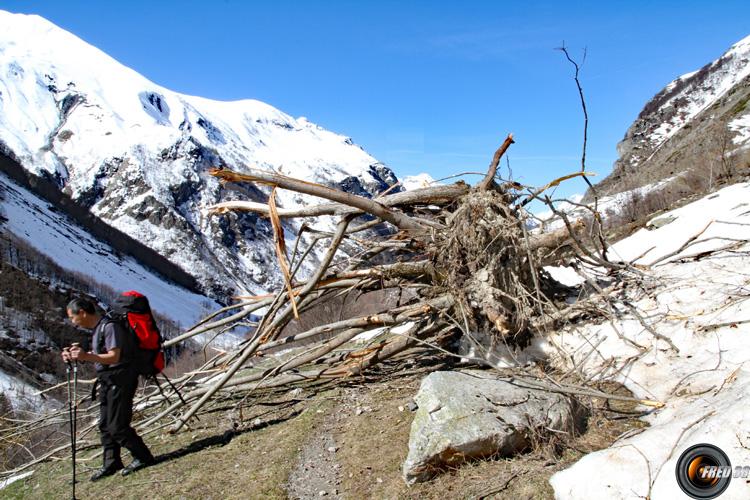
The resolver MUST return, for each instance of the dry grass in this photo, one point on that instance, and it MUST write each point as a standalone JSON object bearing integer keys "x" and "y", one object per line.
{"x": 207, "y": 462}
{"x": 371, "y": 435}
{"x": 374, "y": 445}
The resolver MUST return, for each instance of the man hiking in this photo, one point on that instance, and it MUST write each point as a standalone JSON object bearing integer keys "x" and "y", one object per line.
{"x": 112, "y": 351}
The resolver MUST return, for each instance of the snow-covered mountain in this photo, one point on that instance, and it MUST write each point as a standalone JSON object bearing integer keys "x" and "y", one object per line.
{"x": 700, "y": 120}
{"x": 137, "y": 154}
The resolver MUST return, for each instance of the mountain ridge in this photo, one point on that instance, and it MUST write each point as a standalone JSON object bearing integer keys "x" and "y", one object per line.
{"x": 137, "y": 154}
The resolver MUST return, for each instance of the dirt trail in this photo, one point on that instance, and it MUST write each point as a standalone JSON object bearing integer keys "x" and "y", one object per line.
{"x": 317, "y": 473}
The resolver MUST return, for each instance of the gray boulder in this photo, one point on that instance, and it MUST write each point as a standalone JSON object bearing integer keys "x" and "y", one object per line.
{"x": 464, "y": 415}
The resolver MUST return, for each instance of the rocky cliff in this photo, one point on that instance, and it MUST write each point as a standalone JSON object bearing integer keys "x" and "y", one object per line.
{"x": 698, "y": 126}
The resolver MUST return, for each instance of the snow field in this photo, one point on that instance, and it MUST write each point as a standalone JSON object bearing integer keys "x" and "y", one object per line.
{"x": 702, "y": 307}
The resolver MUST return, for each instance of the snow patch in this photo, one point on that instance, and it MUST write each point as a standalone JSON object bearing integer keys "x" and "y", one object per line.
{"x": 565, "y": 275}
{"x": 418, "y": 181}
{"x": 548, "y": 221}
{"x": 13, "y": 479}
{"x": 22, "y": 396}
{"x": 741, "y": 127}
{"x": 703, "y": 310}
{"x": 718, "y": 218}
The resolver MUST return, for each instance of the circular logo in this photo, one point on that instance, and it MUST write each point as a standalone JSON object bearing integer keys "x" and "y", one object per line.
{"x": 703, "y": 471}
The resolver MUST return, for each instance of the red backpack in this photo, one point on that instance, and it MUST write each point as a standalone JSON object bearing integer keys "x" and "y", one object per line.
{"x": 134, "y": 312}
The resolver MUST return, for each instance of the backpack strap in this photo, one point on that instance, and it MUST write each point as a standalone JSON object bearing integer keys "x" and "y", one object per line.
{"x": 100, "y": 341}
{"x": 110, "y": 317}
{"x": 177, "y": 391}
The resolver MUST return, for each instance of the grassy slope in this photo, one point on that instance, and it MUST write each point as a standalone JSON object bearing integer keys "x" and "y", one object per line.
{"x": 202, "y": 463}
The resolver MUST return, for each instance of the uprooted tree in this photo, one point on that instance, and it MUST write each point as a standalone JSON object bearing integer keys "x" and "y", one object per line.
{"x": 467, "y": 266}
{"x": 461, "y": 259}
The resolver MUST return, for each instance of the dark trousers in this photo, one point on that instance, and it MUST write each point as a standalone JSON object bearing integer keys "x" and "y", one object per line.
{"x": 117, "y": 388}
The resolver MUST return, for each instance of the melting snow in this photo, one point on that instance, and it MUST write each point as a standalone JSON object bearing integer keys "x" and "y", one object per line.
{"x": 13, "y": 479}
{"x": 741, "y": 126}
{"x": 613, "y": 203}
{"x": 702, "y": 307}
{"x": 21, "y": 395}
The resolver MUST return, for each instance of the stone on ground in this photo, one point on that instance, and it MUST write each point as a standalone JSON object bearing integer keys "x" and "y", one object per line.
{"x": 464, "y": 415}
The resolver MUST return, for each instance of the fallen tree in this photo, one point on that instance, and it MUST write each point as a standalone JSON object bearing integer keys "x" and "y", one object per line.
{"x": 466, "y": 263}
{"x": 461, "y": 259}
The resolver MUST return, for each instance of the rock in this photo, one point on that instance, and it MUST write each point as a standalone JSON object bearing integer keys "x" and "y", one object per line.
{"x": 401, "y": 408}
{"x": 471, "y": 414}
{"x": 660, "y": 222}
{"x": 412, "y": 406}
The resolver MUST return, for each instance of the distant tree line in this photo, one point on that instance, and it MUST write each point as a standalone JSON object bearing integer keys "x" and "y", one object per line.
{"x": 80, "y": 214}
{"x": 32, "y": 283}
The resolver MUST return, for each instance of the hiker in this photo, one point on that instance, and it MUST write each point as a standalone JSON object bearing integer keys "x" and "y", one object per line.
{"x": 112, "y": 350}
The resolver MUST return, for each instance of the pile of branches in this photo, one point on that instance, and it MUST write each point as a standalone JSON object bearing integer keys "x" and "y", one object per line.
{"x": 460, "y": 257}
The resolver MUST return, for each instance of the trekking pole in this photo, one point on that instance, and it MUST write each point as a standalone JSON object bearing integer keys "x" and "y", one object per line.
{"x": 75, "y": 417}
{"x": 68, "y": 368}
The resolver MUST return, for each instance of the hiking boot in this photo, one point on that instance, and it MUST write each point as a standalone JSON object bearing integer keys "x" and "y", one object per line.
{"x": 136, "y": 465}
{"x": 105, "y": 471}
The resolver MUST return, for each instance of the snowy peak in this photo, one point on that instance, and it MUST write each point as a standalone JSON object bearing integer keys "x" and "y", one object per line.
{"x": 682, "y": 127}
{"x": 77, "y": 86}
{"x": 138, "y": 154}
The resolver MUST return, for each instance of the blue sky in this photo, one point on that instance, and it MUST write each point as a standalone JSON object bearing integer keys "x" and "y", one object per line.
{"x": 423, "y": 86}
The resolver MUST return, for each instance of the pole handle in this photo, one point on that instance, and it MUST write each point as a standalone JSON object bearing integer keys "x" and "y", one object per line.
{"x": 75, "y": 363}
